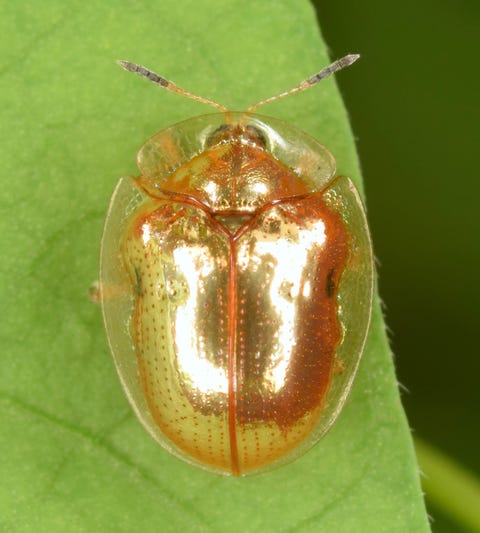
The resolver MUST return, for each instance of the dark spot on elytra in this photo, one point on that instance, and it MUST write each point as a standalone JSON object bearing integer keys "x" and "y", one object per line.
{"x": 330, "y": 286}
{"x": 138, "y": 282}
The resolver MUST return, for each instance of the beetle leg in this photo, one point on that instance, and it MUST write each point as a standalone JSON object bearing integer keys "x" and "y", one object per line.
{"x": 98, "y": 291}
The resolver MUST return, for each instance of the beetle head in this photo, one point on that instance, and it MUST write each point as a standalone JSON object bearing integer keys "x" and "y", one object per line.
{"x": 237, "y": 133}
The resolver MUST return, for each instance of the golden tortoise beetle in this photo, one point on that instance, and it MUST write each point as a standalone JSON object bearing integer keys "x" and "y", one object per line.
{"x": 236, "y": 286}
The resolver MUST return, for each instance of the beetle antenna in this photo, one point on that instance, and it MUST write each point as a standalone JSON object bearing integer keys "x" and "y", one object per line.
{"x": 167, "y": 84}
{"x": 337, "y": 65}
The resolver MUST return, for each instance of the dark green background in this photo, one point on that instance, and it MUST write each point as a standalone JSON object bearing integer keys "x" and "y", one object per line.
{"x": 413, "y": 103}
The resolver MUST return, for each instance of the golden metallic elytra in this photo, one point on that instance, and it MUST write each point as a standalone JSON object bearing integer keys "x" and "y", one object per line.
{"x": 237, "y": 277}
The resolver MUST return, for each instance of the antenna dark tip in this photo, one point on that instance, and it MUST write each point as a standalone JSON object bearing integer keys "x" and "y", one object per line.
{"x": 351, "y": 58}
{"x": 127, "y": 65}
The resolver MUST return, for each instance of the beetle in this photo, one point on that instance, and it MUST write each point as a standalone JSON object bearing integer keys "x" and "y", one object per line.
{"x": 236, "y": 286}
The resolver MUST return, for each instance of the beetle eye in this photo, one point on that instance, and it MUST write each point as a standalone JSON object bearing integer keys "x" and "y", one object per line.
{"x": 218, "y": 135}
{"x": 256, "y": 136}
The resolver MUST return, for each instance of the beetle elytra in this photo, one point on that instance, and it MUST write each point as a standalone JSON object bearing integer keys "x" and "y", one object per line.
{"x": 237, "y": 277}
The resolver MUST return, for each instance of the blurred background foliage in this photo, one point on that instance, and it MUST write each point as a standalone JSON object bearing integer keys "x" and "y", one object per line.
{"x": 413, "y": 103}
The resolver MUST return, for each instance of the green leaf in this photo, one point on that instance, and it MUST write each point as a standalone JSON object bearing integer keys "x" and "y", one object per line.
{"x": 73, "y": 456}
